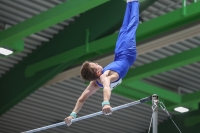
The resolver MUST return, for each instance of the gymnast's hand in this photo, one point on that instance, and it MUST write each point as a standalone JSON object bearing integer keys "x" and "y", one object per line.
{"x": 68, "y": 120}
{"x": 107, "y": 110}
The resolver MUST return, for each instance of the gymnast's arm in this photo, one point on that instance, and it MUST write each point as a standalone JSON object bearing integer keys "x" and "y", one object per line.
{"x": 106, "y": 87}
{"x": 91, "y": 89}
{"x": 106, "y": 78}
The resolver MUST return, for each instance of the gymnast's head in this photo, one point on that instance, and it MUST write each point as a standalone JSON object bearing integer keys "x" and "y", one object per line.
{"x": 91, "y": 71}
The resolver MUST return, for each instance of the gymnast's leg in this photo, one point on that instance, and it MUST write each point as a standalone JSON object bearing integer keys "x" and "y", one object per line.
{"x": 126, "y": 38}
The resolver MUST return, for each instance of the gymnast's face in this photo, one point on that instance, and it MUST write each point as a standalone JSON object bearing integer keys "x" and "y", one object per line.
{"x": 98, "y": 68}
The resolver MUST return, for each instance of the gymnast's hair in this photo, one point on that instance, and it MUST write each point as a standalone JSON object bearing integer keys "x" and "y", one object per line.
{"x": 87, "y": 72}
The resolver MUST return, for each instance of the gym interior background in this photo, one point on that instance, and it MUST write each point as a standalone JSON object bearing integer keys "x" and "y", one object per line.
{"x": 49, "y": 39}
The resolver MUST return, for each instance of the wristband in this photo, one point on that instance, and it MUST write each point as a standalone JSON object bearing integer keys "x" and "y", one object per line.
{"x": 73, "y": 114}
{"x": 105, "y": 103}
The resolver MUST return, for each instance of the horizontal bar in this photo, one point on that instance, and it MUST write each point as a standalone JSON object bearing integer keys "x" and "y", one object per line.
{"x": 90, "y": 115}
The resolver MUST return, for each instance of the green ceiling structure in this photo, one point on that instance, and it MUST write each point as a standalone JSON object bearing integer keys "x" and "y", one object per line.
{"x": 11, "y": 38}
{"x": 22, "y": 86}
{"x": 94, "y": 34}
{"x": 46, "y": 19}
{"x": 146, "y": 30}
{"x": 169, "y": 63}
{"x": 171, "y": 99}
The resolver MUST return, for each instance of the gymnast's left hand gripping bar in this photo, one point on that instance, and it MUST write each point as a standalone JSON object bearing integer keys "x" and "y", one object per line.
{"x": 91, "y": 115}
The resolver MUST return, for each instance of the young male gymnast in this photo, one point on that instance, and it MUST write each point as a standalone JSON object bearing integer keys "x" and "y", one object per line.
{"x": 111, "y": 75}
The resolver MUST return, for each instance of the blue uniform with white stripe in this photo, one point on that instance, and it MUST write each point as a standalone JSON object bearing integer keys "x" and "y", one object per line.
{"x": 125, "y": 50}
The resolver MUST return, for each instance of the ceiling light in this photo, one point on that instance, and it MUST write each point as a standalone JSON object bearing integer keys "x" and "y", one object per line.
{"x": 181, "y": 109}
{"x": 5, "y": 51}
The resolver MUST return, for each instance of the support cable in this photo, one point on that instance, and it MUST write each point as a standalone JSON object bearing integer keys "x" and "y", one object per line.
{"x": 165, "y": 110}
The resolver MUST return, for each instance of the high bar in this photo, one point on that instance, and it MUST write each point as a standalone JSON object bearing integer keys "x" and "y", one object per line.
{"x": 146, "y": 99}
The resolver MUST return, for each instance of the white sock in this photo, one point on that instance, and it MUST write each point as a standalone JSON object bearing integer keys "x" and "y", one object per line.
{"x": 131, "y": 0}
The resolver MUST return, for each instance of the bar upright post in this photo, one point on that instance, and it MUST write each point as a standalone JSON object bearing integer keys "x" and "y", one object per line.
{"x": 155, "y": 113}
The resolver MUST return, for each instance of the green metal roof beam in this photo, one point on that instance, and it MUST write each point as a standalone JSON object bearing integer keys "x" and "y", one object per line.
{"x": 128, "y": 92}
{"x": 16, "y": 47}
{"x": 191, "y": 98}
{"x": 163, "y": 65}
{"x": 138, "y": 89}
{"x": 148, "y": 29}
{"x": 188, "y": 100}
{"x": 136, "y": 94}
{"x": 169, "y": 21}
{"x": 150, "y": 89}
{"x": 46, "y": 19}
{"x": 69, "y": 55}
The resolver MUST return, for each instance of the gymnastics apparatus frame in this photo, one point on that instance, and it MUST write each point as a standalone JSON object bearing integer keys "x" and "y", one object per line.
{"x": 153, "y": 98}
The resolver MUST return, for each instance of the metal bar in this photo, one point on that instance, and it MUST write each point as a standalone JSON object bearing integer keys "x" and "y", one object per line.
{"x": 155, "y": 113}
{"x": 184, "y": 7}
{"x": 90, "y": 115}
{"x": 155, "y": 120}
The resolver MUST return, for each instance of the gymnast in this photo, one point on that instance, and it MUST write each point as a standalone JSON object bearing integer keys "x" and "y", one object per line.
{"x": 111, "y": 75}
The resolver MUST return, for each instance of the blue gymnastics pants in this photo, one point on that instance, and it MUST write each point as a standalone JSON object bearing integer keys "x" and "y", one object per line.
{"x": 126, "y": 42}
